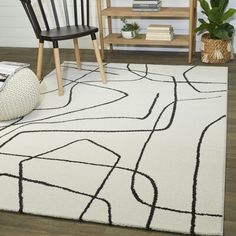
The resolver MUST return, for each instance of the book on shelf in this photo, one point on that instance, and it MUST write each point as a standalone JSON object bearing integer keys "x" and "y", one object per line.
{"x": 159, "y": 27}
{"x": 146, "y": 5}
{"x": 166, "y": 38}
{"x": 146, "y": 2}
{"x": 160, "y": 32}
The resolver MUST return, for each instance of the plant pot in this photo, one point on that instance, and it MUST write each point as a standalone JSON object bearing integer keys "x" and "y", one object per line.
{"x": 215, "y": 50}
{"x": 128, "y": 34}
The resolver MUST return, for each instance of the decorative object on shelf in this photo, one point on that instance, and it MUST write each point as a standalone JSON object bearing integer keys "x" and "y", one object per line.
{"x": 129, "y": 30}
{"x": 19, "y": 93}
{"x": 159, "y": 32}
{"x": 217, "y": 41}
{"x": 147, "y": 5}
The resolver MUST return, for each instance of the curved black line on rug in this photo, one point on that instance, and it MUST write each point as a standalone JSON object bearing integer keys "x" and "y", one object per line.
{"x": 75, "y": 111}
{"x": 125, "y": 95}
{"x": 11, "y": 124}
{"x": 55, "y": 90}
{"x": 197, "y": 90}
{"x": 117, "y": 167}
{"x": 57, "y": 122}
{"x": 195, "y": 176}
{"x": 96, "y": 118}
{"x": 20, "y": 183}
{"x": 83, "y": 131}
{"x": 155, "y": 195}
{"x": 75, "y": 80}
{"x": 141, "y": 76}
{"x": 103, "y": 182}
{"x": 129, "y": 170}
{"x": 89, "y": 131}
{"x": 83, "y": 109}
{"x": 167, "y": 75}
{"x": 61, "y": 188}
{"x": 70, "y": 92}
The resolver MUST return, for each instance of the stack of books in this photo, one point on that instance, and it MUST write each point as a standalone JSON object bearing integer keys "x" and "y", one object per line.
{"x": 146, "y": 5}
{"x": 160, "y": 32}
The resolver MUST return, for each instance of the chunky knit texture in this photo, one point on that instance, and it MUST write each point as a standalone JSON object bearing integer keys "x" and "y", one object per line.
{"x": 20, "y": 95}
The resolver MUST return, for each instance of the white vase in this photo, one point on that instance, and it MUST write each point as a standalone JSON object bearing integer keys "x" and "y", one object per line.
{"x": 128, "y": 34}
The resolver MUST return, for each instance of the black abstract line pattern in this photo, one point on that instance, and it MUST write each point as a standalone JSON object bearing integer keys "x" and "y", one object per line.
{"x": 109, "y": 166}
{"x": 197, "y": 166}
{"x": 139, "y": 106}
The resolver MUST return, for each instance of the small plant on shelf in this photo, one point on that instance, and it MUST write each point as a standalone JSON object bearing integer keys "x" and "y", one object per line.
{"x": 129, "y": 30}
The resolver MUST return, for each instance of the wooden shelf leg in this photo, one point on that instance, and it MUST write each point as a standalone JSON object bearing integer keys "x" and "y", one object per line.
{"x": 191, "y": 30}
{"x": 100, "y": 23}
{"x": 194, "y": 25}
{"x": 109, "y": 21}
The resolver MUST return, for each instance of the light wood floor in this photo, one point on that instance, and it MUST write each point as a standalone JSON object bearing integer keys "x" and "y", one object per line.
{"x": 13, "y": 224}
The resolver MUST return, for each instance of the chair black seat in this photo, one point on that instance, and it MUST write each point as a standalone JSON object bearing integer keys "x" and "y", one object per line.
{"x": 67, "y": 32}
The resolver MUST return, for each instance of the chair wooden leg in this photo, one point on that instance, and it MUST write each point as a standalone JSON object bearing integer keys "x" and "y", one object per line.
{"x": 58, "y": 71}
{"x": 40, "y": 61}
{"x": 77, "y": 53}
{"x": 99, "y": 60}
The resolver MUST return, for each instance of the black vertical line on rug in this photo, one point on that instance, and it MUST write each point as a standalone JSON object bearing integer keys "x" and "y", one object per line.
{"x": 155, "y": 195}
{"x": 195, "y": 176}
{"x": 20, "y": 189}
{"x": 20, "y": 185}
{"x": 102, "y": 184}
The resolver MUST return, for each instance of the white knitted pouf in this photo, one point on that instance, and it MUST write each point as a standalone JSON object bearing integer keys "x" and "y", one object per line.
{"x": 19, "y": 95}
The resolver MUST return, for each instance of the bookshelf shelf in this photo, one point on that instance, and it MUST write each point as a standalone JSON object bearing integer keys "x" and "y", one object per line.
{"x": 178, "y": 41}
{"x": 186, "y": 41}
{"x": 166, "y": 12}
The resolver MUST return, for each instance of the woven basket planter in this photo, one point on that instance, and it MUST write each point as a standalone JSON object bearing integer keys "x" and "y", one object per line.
{"x": 215, "y": 50}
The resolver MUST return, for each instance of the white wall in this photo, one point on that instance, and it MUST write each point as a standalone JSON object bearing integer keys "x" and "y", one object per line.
{"x": 16, "y": 31}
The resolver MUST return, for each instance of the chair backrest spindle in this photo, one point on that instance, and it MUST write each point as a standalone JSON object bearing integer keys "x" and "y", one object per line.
{"x": 66, "y": 12}
{"x": 82, "y": 11}
{"x": 81, "y": 16}
{"x": 43, "y": 14}
{"x": 87, "y": 7}
{"x": 75, "y": 12}
{"x": 55, "y": 13}
{"x": 32, "y": 17}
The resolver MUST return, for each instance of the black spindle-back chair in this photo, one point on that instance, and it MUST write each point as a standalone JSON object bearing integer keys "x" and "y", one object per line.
{"x": 77, "y": 25}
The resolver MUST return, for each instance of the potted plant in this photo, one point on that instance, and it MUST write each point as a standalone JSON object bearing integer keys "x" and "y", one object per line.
{"x": 129, "y": 30}
{"x": 218, "y": 33}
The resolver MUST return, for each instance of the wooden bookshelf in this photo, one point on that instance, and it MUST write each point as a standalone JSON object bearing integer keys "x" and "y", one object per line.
{"x": 186, "y": 41}
{"x": 178, "y": 41}
{"x": 166, "y": 12}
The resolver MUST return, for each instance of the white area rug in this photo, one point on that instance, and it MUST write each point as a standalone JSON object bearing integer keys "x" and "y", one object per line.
{"x": 146, "y": 150}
